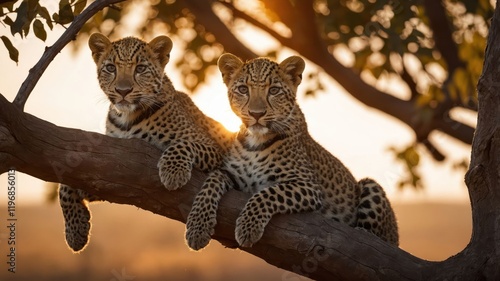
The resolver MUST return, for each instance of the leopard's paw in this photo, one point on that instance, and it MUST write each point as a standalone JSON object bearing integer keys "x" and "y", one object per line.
{"x": 199, "y": 231}
{"x": 248, "y": 230}
{"x": 197, "y": 237}
{"x": 173, "y": 175}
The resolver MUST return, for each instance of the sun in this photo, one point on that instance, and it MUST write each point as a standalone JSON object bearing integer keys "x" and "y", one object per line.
{"x": 230, "y": 121}
{"x": 211, "y": 98}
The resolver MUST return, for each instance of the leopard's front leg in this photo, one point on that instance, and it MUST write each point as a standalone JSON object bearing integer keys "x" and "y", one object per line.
{"x": 281, "y": 198}
{"x": 203, "y": 216}
{"x": 178, "y": 160}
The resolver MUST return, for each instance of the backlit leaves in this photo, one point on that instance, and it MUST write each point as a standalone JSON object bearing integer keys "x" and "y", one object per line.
{"x": 13, "y": 52}
{"x": 39, "y": 30}
{"x": 410, "y": 158}
{"x": 22, "y": 22}
{"x": 65, "y": 14}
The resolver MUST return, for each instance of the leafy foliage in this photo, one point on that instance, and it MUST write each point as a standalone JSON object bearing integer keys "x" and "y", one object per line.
{"x": 201, "y": 48}
{"x": 410, "y": 157}
{"x": 30, "y": 14}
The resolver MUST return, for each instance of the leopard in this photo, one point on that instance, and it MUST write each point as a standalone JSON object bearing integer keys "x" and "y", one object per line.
{"x": 145, "y": 105}
{"x": 276, "y": 160}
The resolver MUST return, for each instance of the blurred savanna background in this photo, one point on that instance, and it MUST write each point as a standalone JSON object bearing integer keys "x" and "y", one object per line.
{"x": 389, "y": 88}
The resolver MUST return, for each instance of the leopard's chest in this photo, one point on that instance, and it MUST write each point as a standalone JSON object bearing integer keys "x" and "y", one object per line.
{"x": 146, "y": 132}
{"x": 253, "y": 171}
{"x": 158, "y": 129}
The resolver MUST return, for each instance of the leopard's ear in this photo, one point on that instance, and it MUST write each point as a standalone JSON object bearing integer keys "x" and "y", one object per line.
{"x": 293, "y": 67}
{"x": 161, "y": 47}
{"x": 228, "y": 65}
{"x": 98, "y": 44}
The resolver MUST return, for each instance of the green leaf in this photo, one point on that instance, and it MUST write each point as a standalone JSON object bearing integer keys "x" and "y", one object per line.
{"x": 26, "y": 27}
{"x": 65, "y": 12}
{"x": 471, "y": 6}
{"x": 79, "y": 6}
{"x": 21, "y": 19}
{"x": 39, "y": 30}
{"x": 9, "y": 5}
{"x": 44, "y": 13}
{"x": 55, "y": 17}
{"x": 376, "y": 71}
{"x": 13, "y": 52}
{"x": 417, "y": 33}
{"x": 8, "y": 21}
{"x": 32, "y": 9}
{"x": 361, "y": 58}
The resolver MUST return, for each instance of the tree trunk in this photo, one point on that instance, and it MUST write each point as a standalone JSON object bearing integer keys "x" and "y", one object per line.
{"x": 124, "y": 171}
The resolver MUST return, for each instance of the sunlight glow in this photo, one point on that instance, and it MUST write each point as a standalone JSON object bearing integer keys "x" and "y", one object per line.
{"x": 211, "y": 98}
{"x": 230, "y": 121}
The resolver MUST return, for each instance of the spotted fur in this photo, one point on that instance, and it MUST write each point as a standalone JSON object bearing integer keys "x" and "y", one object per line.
{"x": 275, "y": 159}
{"x": 145, "y": 105}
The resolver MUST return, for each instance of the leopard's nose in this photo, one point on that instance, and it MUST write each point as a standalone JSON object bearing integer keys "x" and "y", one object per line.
{"x": 123, "y": 91}
{"x": 257, "y": 115}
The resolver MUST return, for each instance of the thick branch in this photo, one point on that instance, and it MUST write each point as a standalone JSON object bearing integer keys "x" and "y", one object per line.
{"x": 205, "y": 15}
{"x": 483, "y": 177}
{"x": 51, "y": 52}
{"x": 442, "y": 34}
{"x": 306, "y": 243}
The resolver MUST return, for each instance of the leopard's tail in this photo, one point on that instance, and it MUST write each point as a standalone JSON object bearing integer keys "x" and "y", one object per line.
{"x": 375, "y": 213}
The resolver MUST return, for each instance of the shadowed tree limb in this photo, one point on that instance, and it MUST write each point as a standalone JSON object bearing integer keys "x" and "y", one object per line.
{"x": 205, "y": 15}
{"x": 442, "y": 34}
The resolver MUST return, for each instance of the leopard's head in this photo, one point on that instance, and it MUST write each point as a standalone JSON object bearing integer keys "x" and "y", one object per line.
{"x": 262, "y": 92}
{"x": 130, "y": 71}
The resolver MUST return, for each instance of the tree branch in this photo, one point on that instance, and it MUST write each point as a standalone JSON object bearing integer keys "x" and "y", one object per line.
{"x": 408, "y": 79}
{"x": 50, "y": 52}
{"x": 244, "y": 16}
{"x": 442, "y": 34}
{"x": 205, "y": 15}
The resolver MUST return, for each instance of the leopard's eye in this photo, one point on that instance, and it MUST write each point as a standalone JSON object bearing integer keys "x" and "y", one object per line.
{"x": 243, "y": 90}
{"x": 140, "y": 68}
{"x": 110, "y": 67}
{"x": 274, "y": 90}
